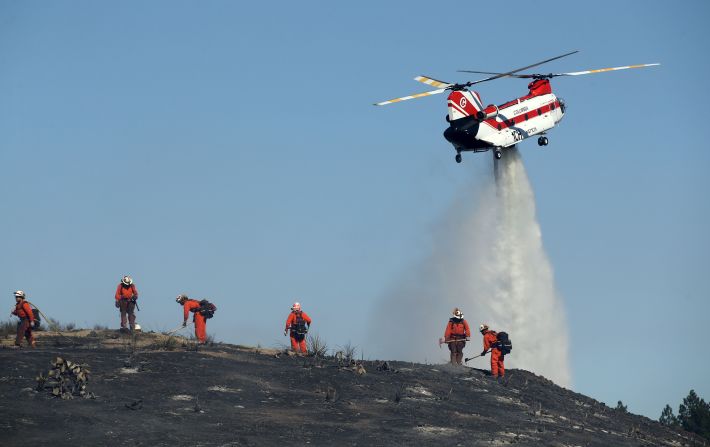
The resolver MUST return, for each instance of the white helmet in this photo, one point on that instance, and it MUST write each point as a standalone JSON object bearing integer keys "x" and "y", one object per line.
{"x": 137, "y": 327}
{"x": 127, "y": 280}
{"x": 180, "y": 298}
{"x": 296, "y": 306}
{"x": 483, "y": 327}
{"x": 19, "y": 294}
{"x": 457, "y": 313}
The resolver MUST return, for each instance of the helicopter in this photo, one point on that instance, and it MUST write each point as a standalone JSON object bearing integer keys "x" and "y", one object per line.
{"x": 477, "y": 128}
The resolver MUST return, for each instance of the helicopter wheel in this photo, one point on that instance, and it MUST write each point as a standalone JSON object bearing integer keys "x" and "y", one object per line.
{"x": 542, "y": 141}
{"x": 458, "y": 158}
{"x": 498, "y": 155}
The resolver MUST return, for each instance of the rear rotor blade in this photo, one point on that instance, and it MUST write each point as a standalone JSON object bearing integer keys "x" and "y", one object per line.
{"x": 405, "y": 98}
{"x": 601, "y": 70}
{"x": 433, "y": 82}
{"x": 502, "y": 75}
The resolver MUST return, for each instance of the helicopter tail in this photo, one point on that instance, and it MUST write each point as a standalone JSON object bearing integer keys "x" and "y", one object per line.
{"x": 463, "y": 103}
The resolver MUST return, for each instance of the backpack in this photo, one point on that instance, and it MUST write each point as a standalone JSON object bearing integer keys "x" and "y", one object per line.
{"x": 299, "y": 326}
{"x": 35, "y": 313}
{"x": 206, "y": 309}
{"x": 503, "y": 343}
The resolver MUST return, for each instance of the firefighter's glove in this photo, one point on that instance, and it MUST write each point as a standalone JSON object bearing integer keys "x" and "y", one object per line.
{"x": 118, "y": 305}
{"x": 484, "y": 353}
{"x": 184, "y": 323}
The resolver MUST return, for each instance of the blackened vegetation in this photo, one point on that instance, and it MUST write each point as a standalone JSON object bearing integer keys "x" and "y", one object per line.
{"x": 229, "y": 395}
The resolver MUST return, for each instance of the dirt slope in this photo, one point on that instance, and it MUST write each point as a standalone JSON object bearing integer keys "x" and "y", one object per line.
{"x": 226, "y": 395}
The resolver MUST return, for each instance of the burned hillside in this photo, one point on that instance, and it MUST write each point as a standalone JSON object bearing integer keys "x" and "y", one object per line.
{"x": 158, "y": 390}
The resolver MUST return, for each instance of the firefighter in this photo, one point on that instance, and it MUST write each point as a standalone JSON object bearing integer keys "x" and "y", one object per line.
{"x": 456, "y": 335}
{"x": 298, "y": 323}
{"x": 190, "y": 305}
{"x": 490, "y": 341}
{"x": 27, "y": 320}
{"x": 126, "y": 297}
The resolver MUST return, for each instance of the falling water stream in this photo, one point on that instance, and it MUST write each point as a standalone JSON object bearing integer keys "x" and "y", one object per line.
{"x": 487, "y": 258}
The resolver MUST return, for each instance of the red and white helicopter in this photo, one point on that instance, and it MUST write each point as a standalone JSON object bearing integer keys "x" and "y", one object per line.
{"x": 473, "y": 127}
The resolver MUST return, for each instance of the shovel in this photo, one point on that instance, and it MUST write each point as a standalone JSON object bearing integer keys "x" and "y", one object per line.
{"x": 479, "y": 355}
{"x": 178, "y": 328}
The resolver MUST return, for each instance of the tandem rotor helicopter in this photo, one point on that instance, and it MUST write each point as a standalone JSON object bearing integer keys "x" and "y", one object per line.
{"x": 473, "y": 127}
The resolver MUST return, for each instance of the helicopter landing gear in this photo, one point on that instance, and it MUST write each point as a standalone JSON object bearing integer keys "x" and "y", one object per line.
{"x": 458, "y": 157}
{"x": 498, "y": 154}
{"x": 542, "y": 141}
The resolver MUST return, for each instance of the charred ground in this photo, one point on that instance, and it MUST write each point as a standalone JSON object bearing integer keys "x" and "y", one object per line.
{"x": 156, "y": 390}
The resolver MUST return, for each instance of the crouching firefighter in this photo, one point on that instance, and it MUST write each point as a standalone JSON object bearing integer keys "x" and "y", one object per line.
{"x": 126, "y": 301}
{"x": 298, "y": 323}
{"x": 24, "y": 312}
{"x": 499, "y": 345}
{"x": 456, "y": 334}
{"x": 202, "y": 311}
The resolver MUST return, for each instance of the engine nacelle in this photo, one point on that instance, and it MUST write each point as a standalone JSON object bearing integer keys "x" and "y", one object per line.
{"x": 489, "y": 112}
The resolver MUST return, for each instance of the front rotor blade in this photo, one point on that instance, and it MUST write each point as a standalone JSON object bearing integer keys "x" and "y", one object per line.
{"x": 524, "y": 76}
{"x": 502, "y": 75}
{"x": 433, "y": 82}
{"x": 601, "y": 70}
{"x": 405, "y": 98}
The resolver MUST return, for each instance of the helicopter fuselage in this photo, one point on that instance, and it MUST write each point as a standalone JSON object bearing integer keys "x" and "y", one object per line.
{"x": 473, "y": 128}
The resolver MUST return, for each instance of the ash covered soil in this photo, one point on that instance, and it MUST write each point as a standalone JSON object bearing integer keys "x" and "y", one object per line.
{"x": 160, "y": 392}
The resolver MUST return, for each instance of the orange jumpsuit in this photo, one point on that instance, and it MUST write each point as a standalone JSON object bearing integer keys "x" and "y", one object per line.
{"x": 497, "y": 357}
{"x": 198, "y": 319}
{"x": 24, "y": 327}
{"x": 124, "y": 296}
{"x": 298, "y": 341}
{"x": 457, "y": 329}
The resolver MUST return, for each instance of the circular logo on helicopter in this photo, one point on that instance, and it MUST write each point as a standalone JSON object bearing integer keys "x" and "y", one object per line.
{"x": 463, "y": 102}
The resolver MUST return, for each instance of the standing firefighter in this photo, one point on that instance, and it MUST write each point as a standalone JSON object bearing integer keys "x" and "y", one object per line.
{"x": 298, "y": 323}
{"x": 456, "y": 335}
{"x": 27, "y": 319}
{"x": 202, "y": 310}
{"x": 499, "y": 345}
{"x": 126, "y": 298}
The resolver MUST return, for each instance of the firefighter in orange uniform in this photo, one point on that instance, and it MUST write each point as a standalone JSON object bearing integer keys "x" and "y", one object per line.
{"x": 298, "y": 323}
{"x": 490, "y": 341}
{"x": 190, "y": 305}
{"x": 126, "y": 297}
{"x": 23, "y": 311}
{"x": 456, "y": 335}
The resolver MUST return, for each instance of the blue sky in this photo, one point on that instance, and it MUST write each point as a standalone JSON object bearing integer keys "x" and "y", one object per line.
{"x": 232, "y": 151}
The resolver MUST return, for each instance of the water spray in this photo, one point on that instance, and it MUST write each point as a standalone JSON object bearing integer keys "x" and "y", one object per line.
{"x": 487, "y": 259}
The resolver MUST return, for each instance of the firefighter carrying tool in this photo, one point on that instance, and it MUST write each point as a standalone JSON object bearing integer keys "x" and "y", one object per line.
{"x": 126, "y": 301}
{"x": 202, "y": 310}
{"x": 456, "y": 334}
{"x": 499, "y": 345}
{"x": 298, "y": 323}
{"x": 24, "y": 312}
